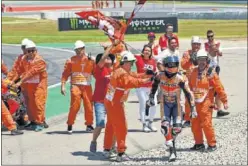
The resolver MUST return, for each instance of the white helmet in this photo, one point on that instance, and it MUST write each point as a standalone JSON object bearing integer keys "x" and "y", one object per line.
{"x": 24, "y": 42}
{"x": 30, "y": 44}
{"x": 127, "y": 56}
{"x": 201, "y": 53}
{"x": 79, "y": 44}
{"x": 195, "y": 39}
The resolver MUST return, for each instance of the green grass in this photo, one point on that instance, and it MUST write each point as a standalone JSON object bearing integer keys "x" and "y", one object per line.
{"x": 46, "y": 31}
{"x": 12, "y": 19}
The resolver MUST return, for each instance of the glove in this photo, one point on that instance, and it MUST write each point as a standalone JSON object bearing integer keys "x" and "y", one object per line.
{"x": 193, "y": 113}
{"x": 149, "y": 103}
{"x": 217, "y": 69}
{"x": 152, "y": 78}
{"x": 210, "y": 70}
{"x": 149, "y": 72}
{"x": 193, "y": 58}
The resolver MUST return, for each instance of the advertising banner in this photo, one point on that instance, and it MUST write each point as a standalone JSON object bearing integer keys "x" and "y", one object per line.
{"x": 137, "y": 26}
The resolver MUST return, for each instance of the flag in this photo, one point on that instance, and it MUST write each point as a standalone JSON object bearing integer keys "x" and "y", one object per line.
{"x": 136, "y": 9}
{"x": 112, "y": 27}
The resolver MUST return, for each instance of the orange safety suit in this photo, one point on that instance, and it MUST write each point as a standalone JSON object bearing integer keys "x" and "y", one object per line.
{"x": 203, "y": 92}
{"x": 4, "y": 68}
{"x": 118, "y": 89}
{"x": 7, "y": 119}
{"x": 15, "y": 71}
{"x": 80, "y": 70}
{"x": 188, "y": 66}
{"x": 34, "y": 84}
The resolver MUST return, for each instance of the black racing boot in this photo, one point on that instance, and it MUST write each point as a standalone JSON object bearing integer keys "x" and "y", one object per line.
{"x": 198, "y": 147}
{"x": 173, "y": 154}
{"x": 221, "y": 113}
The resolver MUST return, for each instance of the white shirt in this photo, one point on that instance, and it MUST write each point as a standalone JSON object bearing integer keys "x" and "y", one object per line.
{"x": 167, "y": 52}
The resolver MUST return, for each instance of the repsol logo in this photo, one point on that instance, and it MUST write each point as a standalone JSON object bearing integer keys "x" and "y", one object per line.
{"x": 168, "y": 85}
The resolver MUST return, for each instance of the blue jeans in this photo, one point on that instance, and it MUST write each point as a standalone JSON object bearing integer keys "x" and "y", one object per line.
{"x": 100, "y": 113}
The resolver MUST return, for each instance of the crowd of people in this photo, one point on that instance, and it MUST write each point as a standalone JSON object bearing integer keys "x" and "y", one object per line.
{"x": 187, "y": 89}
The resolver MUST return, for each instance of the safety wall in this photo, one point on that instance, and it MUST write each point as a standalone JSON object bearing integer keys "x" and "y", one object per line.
{"x": 240, "y": 15}
{"x": 232, "y": 15}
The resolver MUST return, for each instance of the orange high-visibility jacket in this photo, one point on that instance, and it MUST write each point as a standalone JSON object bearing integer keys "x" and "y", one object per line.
{"x": 79, "y": 69}
{"x": 15, "y": 71}
{"x": 120, "y": 83}
{"x": 186, "y": 64}
{"x": 203, "y": 88}
{"x": 33, "y": 71}
{"x": 4, "y": 68}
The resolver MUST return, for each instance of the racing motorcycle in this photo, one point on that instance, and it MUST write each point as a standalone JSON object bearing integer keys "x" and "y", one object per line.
{"x": 14, "y": 101}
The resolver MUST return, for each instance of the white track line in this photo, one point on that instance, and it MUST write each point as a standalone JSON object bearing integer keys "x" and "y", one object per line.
{"x": 59, "y": 49}
{"x": 51, "y": 48}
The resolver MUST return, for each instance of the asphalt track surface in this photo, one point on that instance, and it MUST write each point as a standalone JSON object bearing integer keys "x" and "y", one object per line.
{"x": 55, "y": 58}
{"x": 128, "y": 6}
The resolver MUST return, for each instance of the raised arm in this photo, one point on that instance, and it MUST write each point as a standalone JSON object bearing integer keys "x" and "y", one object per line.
{"x": 129, "y": 81}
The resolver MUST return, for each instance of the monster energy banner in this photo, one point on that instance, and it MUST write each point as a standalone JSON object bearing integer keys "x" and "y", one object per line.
{"x": 137, "y": 26}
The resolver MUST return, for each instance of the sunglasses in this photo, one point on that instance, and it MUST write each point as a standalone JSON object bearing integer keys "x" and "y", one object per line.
{"x": 172, "y": 65}
{"x": 81, "y": 48}
{"x": 211, "y": 36}
{"x": 31, "y": 51}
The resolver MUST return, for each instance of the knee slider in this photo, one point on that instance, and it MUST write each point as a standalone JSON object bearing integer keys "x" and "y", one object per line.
{"x": 177, "y": 128}
{"x": 165, "y": 125}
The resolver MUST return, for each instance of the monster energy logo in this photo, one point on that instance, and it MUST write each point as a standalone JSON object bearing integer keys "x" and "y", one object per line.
{"x": 74, "y": 23}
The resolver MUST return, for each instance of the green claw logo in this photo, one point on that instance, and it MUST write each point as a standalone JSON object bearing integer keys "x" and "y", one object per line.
{"x": 74, "y": 23}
